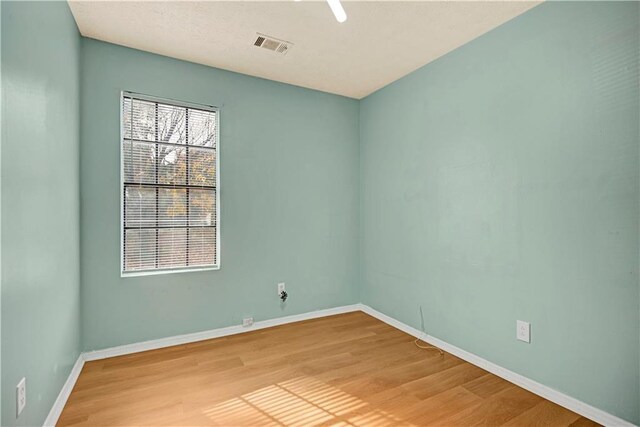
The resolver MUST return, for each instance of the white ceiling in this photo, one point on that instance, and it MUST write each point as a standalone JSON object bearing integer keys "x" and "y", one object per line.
{"x": 380, "y": 42}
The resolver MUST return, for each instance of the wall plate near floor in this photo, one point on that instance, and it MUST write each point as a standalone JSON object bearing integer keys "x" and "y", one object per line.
{"x": 21, "y": 396}
{"x": 247, "y": 321}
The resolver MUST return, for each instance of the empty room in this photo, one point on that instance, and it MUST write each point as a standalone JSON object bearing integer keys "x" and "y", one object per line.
{"x": 320, "y": 213}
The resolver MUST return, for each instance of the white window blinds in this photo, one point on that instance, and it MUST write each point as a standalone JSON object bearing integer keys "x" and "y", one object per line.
{"x": 169, "y": 185}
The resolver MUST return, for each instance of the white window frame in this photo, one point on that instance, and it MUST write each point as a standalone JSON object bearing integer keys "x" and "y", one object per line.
{"x": 177, "y": 103}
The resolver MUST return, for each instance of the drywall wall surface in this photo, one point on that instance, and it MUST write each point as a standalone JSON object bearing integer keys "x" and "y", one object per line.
{"x": 501, "y": 182}
{"x": 289, "y": 201}
{"x": 40, "y": 204}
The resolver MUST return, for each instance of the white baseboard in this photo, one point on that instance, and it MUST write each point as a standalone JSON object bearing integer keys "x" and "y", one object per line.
{"x": 64, "y": 394}
{"x": 213, "y": 333}
{"x": 548, "y": 393}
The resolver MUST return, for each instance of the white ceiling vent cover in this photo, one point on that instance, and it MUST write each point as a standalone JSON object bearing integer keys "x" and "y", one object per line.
{"x": 273, "y": 44}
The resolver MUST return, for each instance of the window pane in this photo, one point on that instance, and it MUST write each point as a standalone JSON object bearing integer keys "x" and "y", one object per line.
{"x": 172, "y": 164}
{"x": 140, "y": 206}
{"x": 202, "y": 128}
{"x": 171, "y": 124}
{"x": 202, "y": 209}
{"x": 202, "y": 246}
{"x": 139, "y": 162}
{"x": 172, "y": 247}
{"x": 139, "y": 119}
{"x": 140, "y": 249}
{"x": 202, "y": 167}
{"x": 172, "y": 207}
{"x": 126, "y": 118}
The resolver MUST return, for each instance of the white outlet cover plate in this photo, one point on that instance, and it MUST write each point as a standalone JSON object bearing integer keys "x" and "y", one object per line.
{"x": 281, "y": 288}
{"x": 21, "y": 396}
{"x": 247, "y": 321}
{"x": 523, "y": 331}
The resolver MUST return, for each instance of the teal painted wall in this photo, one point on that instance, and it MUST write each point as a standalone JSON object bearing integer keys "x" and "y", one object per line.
{"x": 501, "y": 182}
{"x": 289, "y": 201}
{"x": 40, "y": 204}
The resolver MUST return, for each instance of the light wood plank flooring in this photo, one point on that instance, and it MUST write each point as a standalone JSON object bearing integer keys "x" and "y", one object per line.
{"x": 345, "y": 370}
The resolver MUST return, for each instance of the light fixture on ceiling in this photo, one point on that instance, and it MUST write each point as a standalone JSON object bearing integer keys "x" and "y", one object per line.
{"x": 337, "y": 9}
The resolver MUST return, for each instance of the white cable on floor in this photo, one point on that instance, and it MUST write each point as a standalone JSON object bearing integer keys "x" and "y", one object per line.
{"x": 427, "y": 347}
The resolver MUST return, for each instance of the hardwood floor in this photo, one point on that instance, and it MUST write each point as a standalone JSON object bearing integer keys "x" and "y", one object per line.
{"x": 345, "y": 370}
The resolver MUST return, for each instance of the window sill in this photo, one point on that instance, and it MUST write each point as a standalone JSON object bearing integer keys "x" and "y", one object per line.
{"x": 162, "y": 272}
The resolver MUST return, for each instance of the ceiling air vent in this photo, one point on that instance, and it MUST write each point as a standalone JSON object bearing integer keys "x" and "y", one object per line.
{"x": 273, "y": 44}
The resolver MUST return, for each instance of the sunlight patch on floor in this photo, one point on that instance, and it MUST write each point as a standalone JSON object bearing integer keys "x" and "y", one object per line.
{"x": 301, "y": 401}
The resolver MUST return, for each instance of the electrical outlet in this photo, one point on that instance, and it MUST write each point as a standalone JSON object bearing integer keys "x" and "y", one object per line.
{"x": 21, "y": 396}
{"x": 523, "y": 331}
{"x": 247, "y": 321}
{"x": 281, "y": 288}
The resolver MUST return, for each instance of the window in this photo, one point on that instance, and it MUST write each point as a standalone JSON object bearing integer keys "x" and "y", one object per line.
{"x": 170, "y": 204}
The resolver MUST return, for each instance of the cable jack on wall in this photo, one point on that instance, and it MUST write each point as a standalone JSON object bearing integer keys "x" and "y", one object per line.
{"x": 282, "y": 292}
